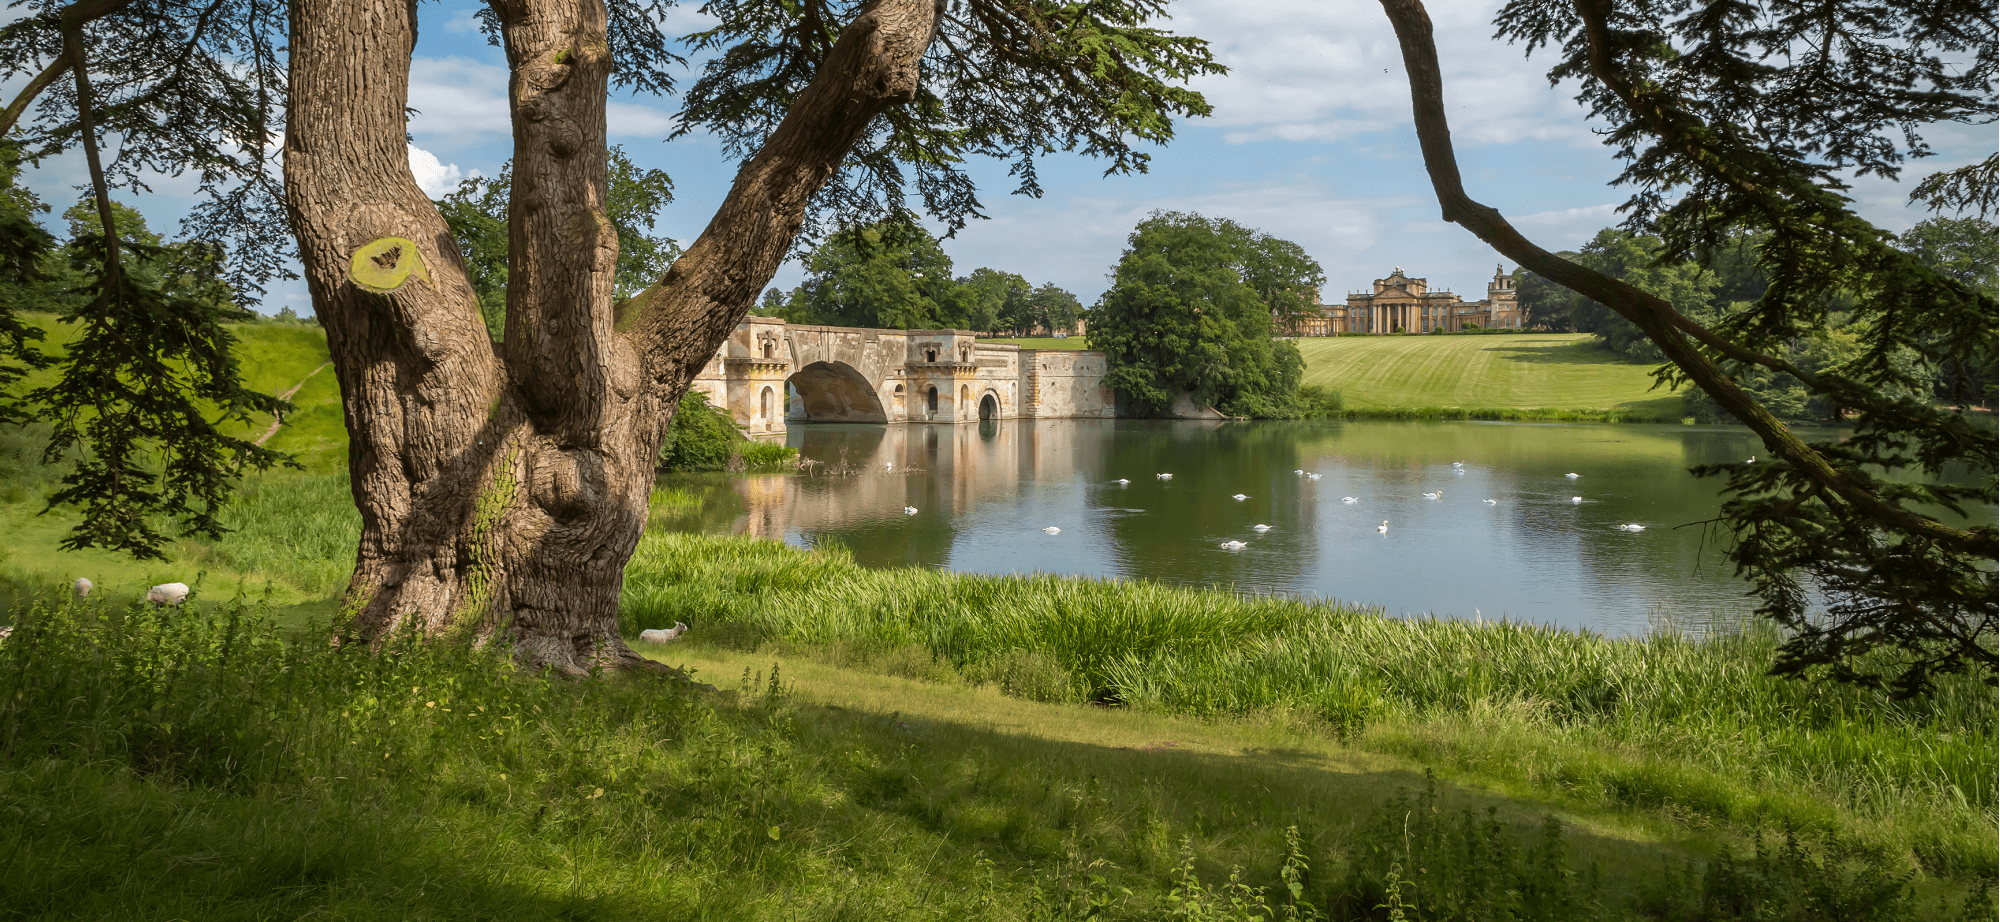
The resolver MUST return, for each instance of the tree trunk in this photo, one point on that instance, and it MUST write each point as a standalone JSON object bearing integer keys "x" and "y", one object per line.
{"x": 503, "y": 491}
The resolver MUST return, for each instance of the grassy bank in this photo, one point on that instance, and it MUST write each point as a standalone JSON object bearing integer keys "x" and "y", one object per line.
{"x": 1523, "y": 376}
{"x": 159, "y": 765}
{"x": 1042, "y": 342}
{"x": 1689, "y": 731}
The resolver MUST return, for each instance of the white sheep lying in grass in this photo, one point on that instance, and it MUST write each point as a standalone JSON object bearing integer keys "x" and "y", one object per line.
{"x": 167, "y": 594}
{"x": 663, "y": 635}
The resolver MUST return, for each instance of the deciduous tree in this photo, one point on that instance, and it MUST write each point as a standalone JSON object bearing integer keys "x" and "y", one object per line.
{"x": 1181, "y": 318}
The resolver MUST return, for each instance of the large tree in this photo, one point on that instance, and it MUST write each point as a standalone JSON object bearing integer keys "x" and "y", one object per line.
{"x": 1739, "y": 118}
{"x": 1186, "y": 315}
{"x": 502, "y": 487}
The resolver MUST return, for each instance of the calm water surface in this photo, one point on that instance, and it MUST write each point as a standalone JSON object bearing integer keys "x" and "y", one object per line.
{"x": 985, "y": 493}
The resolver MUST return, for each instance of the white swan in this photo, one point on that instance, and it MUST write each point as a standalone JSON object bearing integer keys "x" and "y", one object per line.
{"x": 1164, "y": 476}
{"x": 1753, "y": 460}
{"x": 1239, "y": 497}
{"x": 1630, "y": 527}
{"x": 1233, "y": 545}
{"x": 1260, "y": 528}
{"x": 1576, "y": 499}
{"x": 1438, "y": 495}
{"x": 1312, "y": 476}
{"x": 1053, "y": 530}
{"x": 1349, "y": 500}
{"x": 1301, "y": 472}
{"x": 1572, "y": 475}
{"x": 909, "y": 510}
{"x": 1121, "y": 481}
{"x": 1458, "y": 464}
{"x": 1383, "y": 528}
{"x": 1492, "y": 502}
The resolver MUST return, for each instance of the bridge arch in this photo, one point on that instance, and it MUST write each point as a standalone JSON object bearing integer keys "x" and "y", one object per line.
{"x": 836, "y": 392}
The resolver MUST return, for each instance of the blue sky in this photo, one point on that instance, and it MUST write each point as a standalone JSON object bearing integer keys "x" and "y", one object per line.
{"x": 1310, "y": 141}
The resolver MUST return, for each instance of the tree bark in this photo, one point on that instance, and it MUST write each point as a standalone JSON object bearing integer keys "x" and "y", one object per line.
{"x": 503, "y": 491}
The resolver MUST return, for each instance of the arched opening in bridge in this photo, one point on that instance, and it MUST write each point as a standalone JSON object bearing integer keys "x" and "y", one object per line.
{"x": 988, "y": 406}
{"x": 964, "y": 400}
{"x": 930, "y": 402}
{"x": 770, "y": 348}
{"x": 833, "y": 392}
{"x": 764, "y": 407}
{"x": 897, "y": 403}
{"x": 965, "y": 355}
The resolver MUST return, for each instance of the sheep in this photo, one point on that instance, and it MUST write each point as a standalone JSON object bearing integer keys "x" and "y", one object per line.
{"x": 663, "y": 635}
{"x": 82, "y": 587}
{"x": 167, "y": 594}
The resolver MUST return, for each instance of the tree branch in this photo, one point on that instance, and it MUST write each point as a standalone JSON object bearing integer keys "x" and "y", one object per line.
{"x": 677, "y": 324}
{"x": 73, "y": 51}
{"x": 1654, "y": 316}
{"x": 34, "y": 89}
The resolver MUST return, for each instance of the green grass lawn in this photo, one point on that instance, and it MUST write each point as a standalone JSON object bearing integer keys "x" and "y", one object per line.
{"x": 1527, "y": 370}
{"x": 1042, "y": 342}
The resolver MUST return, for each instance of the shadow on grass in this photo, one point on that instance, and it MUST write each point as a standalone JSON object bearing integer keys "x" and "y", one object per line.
{"x": 1577, "y": 353}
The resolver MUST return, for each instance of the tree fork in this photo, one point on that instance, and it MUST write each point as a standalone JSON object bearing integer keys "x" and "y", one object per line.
{"x": 502, "y": 493}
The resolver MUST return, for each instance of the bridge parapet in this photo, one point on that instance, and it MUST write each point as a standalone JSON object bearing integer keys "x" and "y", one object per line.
{"x": 767, "y": 372}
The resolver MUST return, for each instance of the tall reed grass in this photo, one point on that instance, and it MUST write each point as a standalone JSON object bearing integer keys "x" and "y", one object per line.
{"x": 1693, "y": 728}
{"x": 196, "y": 763}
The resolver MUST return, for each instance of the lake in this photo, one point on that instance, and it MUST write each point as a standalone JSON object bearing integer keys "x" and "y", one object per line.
{"x": 984, "y": 493}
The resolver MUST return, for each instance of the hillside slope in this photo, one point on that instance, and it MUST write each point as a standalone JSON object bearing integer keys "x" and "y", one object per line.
{"x": 1528, "y": 370}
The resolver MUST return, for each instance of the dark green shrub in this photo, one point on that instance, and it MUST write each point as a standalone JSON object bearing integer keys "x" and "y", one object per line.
{"x": 703, "y": 438}
{"x": 1320, "y": 402}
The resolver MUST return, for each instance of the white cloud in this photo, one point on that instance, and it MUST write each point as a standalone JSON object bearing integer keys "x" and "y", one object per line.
{"x": 1321, "y": 71}
{"x": 464, "y": 102}
{"x": 433, "y": 177}
{"x": 458, "y": 101}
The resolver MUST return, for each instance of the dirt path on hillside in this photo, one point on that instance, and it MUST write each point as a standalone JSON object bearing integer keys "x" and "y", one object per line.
{"x": 279, "y": 419}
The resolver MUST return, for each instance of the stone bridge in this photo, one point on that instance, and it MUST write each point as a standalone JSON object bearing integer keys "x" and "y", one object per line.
{"x": 769, "y": 372}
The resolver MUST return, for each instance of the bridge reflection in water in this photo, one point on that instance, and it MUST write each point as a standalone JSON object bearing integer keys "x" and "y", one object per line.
{"x": 769, "y": 373}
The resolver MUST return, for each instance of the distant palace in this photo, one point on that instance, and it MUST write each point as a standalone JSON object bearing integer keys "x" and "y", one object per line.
{"x": 1400, "y": 304}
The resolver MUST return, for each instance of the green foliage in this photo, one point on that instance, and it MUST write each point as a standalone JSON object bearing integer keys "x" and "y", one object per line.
{"x": 1636, "y": 260}
{"x": 889, "y": 276}
{"x": 145, "y": 388}
{"x": 997, "y": 300}
{"x": 1011, "y": 81}
{"x": 25, "y": 252}
{"x": 702, "y": 437}
{"x": 476, "y": 211}
{"x": 1054, "y": 309}
{"x": 1187, "y": 313}
{"x": 1744, "y": 119}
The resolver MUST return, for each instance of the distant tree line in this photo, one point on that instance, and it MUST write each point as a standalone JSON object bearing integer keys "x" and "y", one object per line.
{"x": 894, "y": 275}
{"x": 1728, "y": 283}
